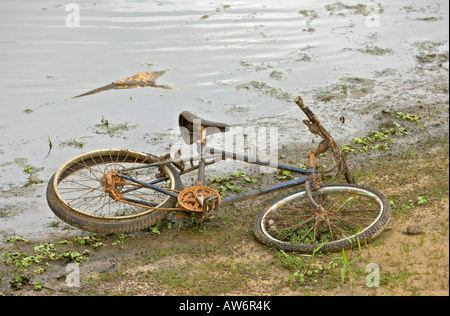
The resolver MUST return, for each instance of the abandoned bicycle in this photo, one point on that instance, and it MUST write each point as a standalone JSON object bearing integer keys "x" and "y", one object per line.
{"x": 121, "y": 191}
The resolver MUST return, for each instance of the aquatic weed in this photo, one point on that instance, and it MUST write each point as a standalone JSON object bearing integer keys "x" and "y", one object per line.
{"x": 105, "y": 127}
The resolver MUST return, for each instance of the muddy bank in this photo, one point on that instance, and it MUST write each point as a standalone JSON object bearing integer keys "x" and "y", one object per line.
{"x": 222, "y": 257}
{"x": 403, "y": 153}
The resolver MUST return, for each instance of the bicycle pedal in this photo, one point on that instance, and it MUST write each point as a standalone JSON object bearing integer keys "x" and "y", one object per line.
{"x": 180, "y": 216}
{"x": 211, "y": 206}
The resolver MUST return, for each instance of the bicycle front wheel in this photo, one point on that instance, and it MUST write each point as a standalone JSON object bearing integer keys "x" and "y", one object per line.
{"x": 86, "y": 192}
{"x": 349, "y": 214}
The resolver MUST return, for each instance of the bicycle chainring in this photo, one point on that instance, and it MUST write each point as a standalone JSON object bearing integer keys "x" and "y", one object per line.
{"x": 199, "y": 199}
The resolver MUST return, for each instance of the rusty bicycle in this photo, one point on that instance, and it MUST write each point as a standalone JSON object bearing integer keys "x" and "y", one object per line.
{"x": 121, "y": 191}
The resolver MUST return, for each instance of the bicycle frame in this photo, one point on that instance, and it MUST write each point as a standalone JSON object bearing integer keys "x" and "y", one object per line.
{"x": 217, "y": 153}
{"x": 310, "y": 176}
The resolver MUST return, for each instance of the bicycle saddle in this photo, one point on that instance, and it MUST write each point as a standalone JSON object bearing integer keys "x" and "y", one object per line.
{"x": 190, "y": 127}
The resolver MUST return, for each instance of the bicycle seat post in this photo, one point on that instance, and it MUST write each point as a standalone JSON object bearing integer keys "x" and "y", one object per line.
{"x": 201, "y": 147}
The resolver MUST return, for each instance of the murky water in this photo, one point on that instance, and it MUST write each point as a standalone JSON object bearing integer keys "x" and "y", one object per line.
{"x": 240, "y": 62}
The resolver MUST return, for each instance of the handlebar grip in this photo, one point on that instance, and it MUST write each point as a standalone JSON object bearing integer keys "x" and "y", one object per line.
{"x": 298, "y": 100}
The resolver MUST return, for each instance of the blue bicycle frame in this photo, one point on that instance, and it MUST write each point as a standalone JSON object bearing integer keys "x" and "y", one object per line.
{"x": 309, "y": 177}
{"x": 222, "y": 155}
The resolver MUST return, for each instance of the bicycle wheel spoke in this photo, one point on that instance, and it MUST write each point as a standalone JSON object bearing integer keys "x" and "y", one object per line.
{"x": 82, "y": 197}
{"x": 92, "y": 199}
{"x": 103, "y": 201}
{"x": 347, "y": 221}
{"x": 306, "y": 234}
{"x": 344, "y": 233}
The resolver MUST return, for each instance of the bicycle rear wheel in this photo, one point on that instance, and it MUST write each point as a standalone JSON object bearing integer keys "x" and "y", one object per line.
{"x": 79, "y": 192}
{"x": 350, "y": 214}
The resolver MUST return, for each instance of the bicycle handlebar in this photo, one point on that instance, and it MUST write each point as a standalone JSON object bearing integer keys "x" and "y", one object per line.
{"x": 305, "y": 108}
{"x": 314, "y": 124}
{"x": 316, "y": 127}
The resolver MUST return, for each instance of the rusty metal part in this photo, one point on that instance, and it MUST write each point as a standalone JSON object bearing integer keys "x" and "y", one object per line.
{"x": 316, "y": 127}
{"x": 112, "y": 183}
{"x": 198, "y": 198}
{"x": 179, "y": 164}
{"x": 313, "y": 128}
{"x": 323, "y": 147}
{"x": 211, "y": 205}
{"x": 180, "y": 215}
{"x": 321, "y": 215}
{"x": 309, "y": 189}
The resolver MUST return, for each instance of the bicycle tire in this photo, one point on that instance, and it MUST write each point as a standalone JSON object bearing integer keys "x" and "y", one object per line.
{"x": 342, "y": 204}
{"x": 100, "y": 213}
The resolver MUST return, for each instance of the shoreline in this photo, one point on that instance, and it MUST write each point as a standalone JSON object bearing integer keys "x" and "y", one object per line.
{"x": 140, "y": 263}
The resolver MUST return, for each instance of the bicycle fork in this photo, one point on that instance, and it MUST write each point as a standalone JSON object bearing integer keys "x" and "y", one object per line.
{"x": 328, "y": 142}
{"x": 314, "y": 182}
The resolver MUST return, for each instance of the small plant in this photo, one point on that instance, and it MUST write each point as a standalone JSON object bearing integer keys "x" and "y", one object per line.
{"x": 19, "y": 281}
{"x": 92, "y": 240}
{"x": 39, "y": 270}
{"x": 408, "y": 206}
{"x": 31, "y": 172}
{"x": 16, "y": 239}
{"x": 379, "y": 136}
{"x": 230, "y": 183}
{"x": 409, "y": 117}
{"x": 348, "y": 148}
{"x": 347, "y": 267}
{"x": 239, "y": 174}
{"x": 72, "y": 143}
{"x": 28, "y": 261}
{"x": 112, "y": 129}
{"x": 232, "y": 187}
{"x": 376, "y": 140}
{"x": 75, "y": 256}
{"x": 421, "y": 200}
{"x": 250, "y": 180}
{"x": 216, "y": 180}
{"x": 393, "y": 205}
{"x": 28, "y": 169}
{"x": 347, "y": 263}
{"x": 284, "y": 174}
{"x": 155, "y": 228}
{"x": 37, "y": 286}
{"x": 304, "y": 266}
{"x": 121, "y": 241}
